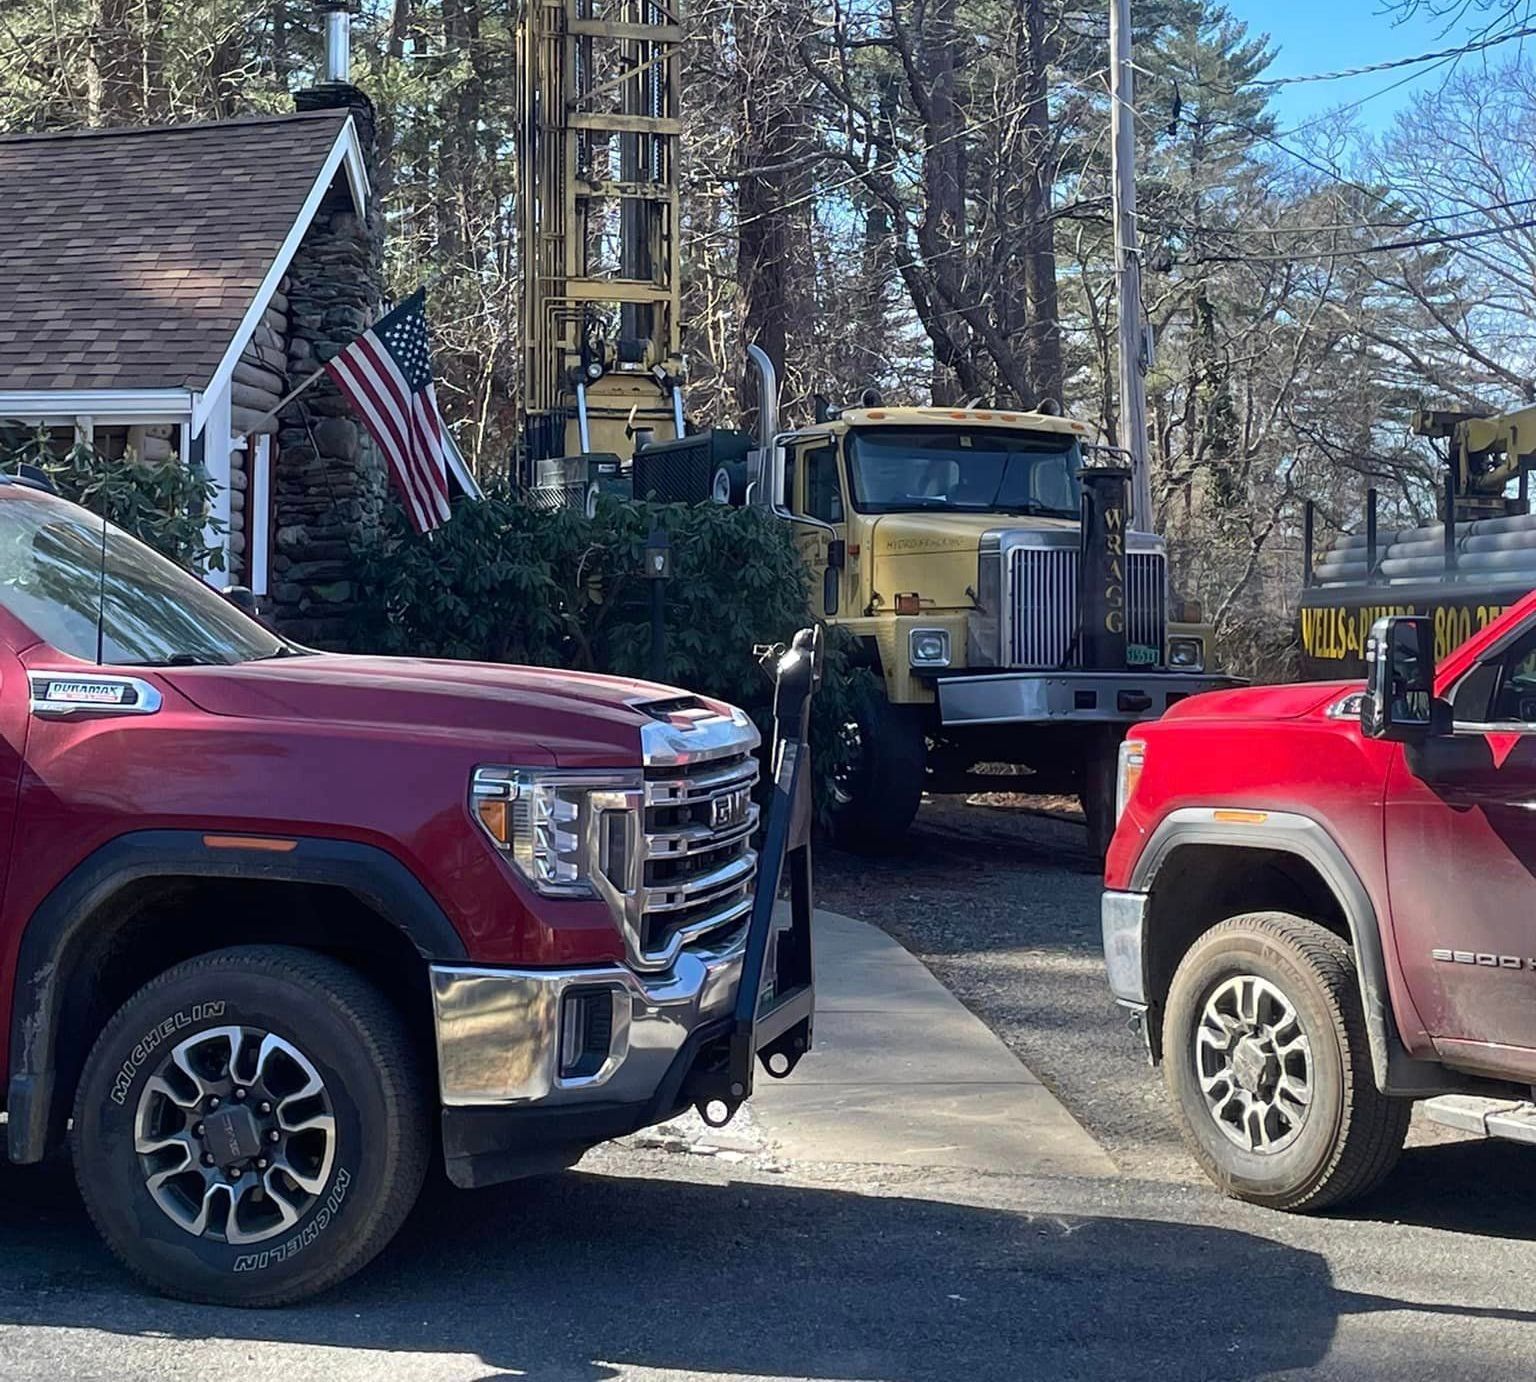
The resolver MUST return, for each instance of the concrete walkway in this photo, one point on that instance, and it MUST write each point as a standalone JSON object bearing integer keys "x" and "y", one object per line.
{"x": 902, "y": 1074}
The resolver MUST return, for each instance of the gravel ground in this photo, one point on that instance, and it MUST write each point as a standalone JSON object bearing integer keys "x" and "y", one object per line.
{"x": 999, "y": 897}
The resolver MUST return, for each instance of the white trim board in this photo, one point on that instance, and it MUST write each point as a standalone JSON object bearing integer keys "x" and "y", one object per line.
{"x": 104, "y": 405}
{"x": 346, "y": 153}
{"x": 258, "y": 499}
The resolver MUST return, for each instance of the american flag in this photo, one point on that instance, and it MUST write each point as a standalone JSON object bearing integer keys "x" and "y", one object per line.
{"x": 387, "y": 374}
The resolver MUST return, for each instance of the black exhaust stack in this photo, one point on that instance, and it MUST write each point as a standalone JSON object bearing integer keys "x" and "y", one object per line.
{"x": 1101, "y": 601}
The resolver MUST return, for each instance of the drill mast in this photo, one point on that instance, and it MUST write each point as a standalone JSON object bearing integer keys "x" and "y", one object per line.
{"x": 602, "y": 335}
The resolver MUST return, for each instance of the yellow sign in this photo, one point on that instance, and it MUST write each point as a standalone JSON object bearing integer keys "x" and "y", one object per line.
{"x": 1338, "y": 635}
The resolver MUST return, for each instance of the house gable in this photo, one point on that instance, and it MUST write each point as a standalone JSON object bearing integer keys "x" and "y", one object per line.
{"x": 142, "y": 259}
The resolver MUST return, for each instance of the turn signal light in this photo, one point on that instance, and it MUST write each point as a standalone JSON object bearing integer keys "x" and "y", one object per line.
{"x": 1133, "y": 758}
{"x": 496, "y": 816}
{"x": 910, "y": 603}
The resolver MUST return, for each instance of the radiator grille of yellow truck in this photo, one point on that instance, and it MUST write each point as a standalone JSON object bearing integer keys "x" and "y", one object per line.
{"x": 1042, "y": 592}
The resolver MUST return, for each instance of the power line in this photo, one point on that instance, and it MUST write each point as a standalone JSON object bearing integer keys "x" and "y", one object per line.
{"x": 1443, "y": 54}
{"x": 1333, "y": 112}
{"x": 1358, "y": 225}
{"x": 1355, "y": 252}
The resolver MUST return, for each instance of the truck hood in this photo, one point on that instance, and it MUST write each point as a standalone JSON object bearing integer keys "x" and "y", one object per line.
{"x": 935, "y": 554}
{"x": 577, "y": 718}
{"x": 1263, "y": 702}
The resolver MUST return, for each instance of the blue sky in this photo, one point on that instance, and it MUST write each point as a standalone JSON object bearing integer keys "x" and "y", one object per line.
{"x": 1326, "y": 35}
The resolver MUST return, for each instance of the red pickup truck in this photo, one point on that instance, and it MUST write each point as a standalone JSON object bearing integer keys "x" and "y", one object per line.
{"x": 1319, "y": 905}
{"x": 275, "y": 922}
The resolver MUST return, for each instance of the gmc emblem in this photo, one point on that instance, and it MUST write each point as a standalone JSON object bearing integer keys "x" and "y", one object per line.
{"x": 729, "y": 809}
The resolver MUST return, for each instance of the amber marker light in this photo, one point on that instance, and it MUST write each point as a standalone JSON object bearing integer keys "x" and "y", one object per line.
{"x": 1229, "y": 817}
{"x": 264, "y": 843}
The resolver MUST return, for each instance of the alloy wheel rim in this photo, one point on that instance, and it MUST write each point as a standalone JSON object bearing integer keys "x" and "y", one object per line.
{"x": 848, "y": 766}
{"x": 235, "y": 1134}
{"x": 1253, "y": 1061}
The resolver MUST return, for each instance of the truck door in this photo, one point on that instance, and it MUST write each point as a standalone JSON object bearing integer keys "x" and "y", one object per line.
{"x": 814, "y": 494}
{"x": 1461, "y": 864}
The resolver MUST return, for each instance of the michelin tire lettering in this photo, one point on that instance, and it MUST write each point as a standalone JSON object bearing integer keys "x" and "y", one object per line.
{"x": 156, "y": 1036}
{"x": 256, "y": 1261}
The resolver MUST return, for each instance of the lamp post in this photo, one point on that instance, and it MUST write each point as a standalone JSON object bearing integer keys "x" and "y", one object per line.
{"x": 658, "y": 571}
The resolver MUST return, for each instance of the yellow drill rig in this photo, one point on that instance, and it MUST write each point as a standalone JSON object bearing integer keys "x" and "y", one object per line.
{"x": 987, "y": 572}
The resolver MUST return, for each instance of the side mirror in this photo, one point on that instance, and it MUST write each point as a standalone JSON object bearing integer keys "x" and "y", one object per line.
{"x": 243, "y": 598}
{"x": 1399, "y": 700}
{"x": 778, "y": 473}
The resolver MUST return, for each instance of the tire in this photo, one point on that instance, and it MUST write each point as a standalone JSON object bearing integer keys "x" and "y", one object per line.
{"x": 1100, "y": 769}
{"x": 356, "y": 1180}
{"x": 728, "y": 485}
{"x": 882, "y": 787}
{"x": 1348, "y": 1138}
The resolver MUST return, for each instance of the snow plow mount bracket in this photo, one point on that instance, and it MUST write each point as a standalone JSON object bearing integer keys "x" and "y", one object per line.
{"x": 776, "y": 1000}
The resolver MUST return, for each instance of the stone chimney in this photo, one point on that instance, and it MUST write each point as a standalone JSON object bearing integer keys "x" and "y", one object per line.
{"x": 329, "y": 482}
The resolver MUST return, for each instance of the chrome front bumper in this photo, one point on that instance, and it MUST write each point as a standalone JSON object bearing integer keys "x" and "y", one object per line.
{"x": 999, "y": 698}
{"x": 1123, "y": 917}
{"x": 499, "y": 1030}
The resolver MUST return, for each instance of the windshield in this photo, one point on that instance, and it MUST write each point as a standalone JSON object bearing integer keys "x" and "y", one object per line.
{"x": 968, "y": 470}
{"x": 155, "y": 612}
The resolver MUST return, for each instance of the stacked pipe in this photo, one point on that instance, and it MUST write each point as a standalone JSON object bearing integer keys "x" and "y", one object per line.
{"x": 1505, "y": 547}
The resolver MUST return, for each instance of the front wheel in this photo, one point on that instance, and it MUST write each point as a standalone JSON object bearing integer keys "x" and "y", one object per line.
{"x": 251, "y": 1127}
{"x": 1266, "y": 1057}
{"x": 882, "y": 769}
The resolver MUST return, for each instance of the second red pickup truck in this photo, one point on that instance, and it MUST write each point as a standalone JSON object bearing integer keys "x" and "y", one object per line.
{"x": 1319, "y": 904}
{"x": 275, "y": 924}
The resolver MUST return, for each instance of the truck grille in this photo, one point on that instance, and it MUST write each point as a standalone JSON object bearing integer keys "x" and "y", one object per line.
{"x": 1042, "y": 627}
{"x": 696, "y": 866}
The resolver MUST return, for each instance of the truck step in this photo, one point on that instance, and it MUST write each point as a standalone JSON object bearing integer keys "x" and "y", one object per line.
{"x": 1511, "y": 1119}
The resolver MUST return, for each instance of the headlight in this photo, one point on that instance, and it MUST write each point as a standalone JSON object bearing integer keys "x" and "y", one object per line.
{"x": 929, "y": 647}
{"x": 1187, "y": 654}
{"x": 566, "y": 833}
{"x": 1133, "y": 755}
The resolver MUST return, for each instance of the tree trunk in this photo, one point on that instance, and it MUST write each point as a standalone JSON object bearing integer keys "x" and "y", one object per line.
{"x": 114, "y": 65}
{"x": 943, "y": 226}
{"x": 770, "y": 136}
{"x": 1037, "y": 245}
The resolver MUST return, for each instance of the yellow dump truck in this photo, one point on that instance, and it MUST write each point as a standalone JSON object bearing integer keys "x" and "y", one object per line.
{"x": 1016, "y": 620}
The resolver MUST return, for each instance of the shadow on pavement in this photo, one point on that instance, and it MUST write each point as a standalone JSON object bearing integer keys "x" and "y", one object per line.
{"x": 1485, "y": 1187}
{"x": 567, "y": 1279}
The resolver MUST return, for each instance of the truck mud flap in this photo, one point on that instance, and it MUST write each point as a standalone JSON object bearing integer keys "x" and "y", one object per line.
{"x": 776, "y": 1001}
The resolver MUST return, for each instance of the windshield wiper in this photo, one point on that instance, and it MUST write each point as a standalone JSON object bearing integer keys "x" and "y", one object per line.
{"x": 1033, "y": 509}
{"x": 181, "y": 660}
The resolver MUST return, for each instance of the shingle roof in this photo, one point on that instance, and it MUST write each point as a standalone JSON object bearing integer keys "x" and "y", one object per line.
{"x": 129, "y": 257}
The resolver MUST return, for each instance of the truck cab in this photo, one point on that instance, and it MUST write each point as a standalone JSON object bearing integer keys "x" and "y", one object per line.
{"x": 1317, "y": 903}
{"x": 949, "y": 543}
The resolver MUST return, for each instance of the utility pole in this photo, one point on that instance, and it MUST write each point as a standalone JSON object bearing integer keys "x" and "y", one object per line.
{"x": 1133, "y": 395}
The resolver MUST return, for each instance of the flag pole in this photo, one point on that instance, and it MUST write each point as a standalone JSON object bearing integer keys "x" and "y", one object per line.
{"x": 282, "y": 403}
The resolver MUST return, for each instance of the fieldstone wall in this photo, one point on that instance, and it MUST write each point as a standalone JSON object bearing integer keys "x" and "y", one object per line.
{"x": 329, "y": 481}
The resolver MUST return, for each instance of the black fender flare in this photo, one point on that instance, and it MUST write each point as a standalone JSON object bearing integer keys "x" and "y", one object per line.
{"x": 1394, "y": 1070}
{"x": 56, "y": 933}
